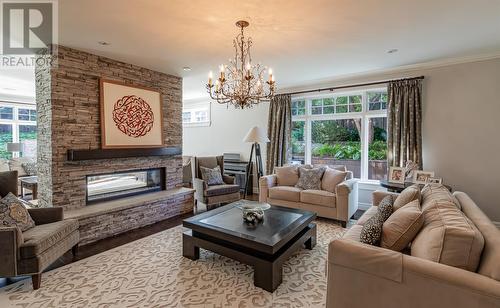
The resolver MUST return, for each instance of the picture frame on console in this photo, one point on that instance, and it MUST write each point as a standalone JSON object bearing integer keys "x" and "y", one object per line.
{"x": 131, "y": 116}
{"x": 396, "y": 175}
{"x": 433, "y": 180}
{"x": 421, "y": 177}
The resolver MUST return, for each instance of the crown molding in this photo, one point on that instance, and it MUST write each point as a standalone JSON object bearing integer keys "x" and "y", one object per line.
{"x": 399, "y": 69}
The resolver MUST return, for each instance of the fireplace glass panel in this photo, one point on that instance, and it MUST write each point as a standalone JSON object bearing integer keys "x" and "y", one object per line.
{"x": 122, "y": 184}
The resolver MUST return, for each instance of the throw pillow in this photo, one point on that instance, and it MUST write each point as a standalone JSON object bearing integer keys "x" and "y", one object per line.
{"x": 30, "y": 168}
{"x": 331, "y": 178}
{"x": 402, "y": 226}
{"x": 212, "y": 176}
{"x": 287, "y": 176}
{"x": 310, "y": 178}
{"x": 409, "y": 194}
{"x": 372, "y": 229}
{"x": 14, "y": 214}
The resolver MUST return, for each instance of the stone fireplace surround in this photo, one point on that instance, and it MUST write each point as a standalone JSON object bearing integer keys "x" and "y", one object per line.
{"x": 69, "y": 119}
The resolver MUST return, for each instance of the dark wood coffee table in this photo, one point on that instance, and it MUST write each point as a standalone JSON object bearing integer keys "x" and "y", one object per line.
{"x": 265, "y": 246}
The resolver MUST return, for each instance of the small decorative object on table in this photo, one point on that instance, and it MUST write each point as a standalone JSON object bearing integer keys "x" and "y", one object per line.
{"x": 421, "y": 177}
{"x": 435, "y": 181}
{"x": 397, "y": 175}
{"x": 253, "y": 212}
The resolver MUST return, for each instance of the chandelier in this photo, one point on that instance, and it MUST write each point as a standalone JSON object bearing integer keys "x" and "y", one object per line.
{"x": 241, "y": 82}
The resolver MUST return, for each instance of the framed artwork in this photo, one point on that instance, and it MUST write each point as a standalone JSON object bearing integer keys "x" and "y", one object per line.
{"x": 397, "y": 175}
{"x": 131, "y": 117}
{"x": 421, "y": 177}
{"x": 434, "y": 180}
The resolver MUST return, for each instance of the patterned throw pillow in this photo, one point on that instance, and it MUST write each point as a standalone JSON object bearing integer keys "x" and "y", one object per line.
{"x": 310, "y": 178}
{"x": 372, "y": 229}
{"x": 14, "y": 214}
{"x": 30, "y": 168}
{"x": 212, "y": 176}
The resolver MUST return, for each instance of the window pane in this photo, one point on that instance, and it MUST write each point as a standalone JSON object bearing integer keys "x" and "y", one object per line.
{"x": 342, "y": 100}
{"x": 317, "y": 110}
{"x": 342, "y": 109}
{"x": 328, "y": 101}
{"x": 298, "y": 141}
{"x": 355, "y": 99}
{"x": 5, "y": 137}
{"x": 186, "y": 117}
{"x": 337, "y": 142}
{"x": 298, "y": 107}
{"x": 201, "y": 116}
{"x": 23, "y": 114}
{"x": 27, "y": 136}
{"x": 317, "y": 102}
{"x": 32, "y": 115}
{"x": 328, "y": 110}
{"x": 6, "y": 113}
{"x": 377, "y": 100}
{"x": 377, "y": 148}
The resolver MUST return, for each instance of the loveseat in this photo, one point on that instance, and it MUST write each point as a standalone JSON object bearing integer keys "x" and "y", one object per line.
{"x": 339, "y": 203}
{"x": 361, "y": 275}
{"x": 16, "y": 164}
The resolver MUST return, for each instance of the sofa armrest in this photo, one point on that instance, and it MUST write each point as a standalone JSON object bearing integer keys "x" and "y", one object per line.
{"x": 384, "y": 263}
{"x": 346, "y": 199}
{"x": 378, "y": 195}
{"x": 46, "y": 215}
{"x": 200, "y": 186}
{"x": 396, "y": 280}
{"x": 265, "y": 183}
{"x": 228, "y": 179}
{"x": 10, "y": 240}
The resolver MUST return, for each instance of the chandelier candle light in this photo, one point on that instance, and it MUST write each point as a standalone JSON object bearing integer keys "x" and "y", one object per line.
{"x": 241, "y": 83}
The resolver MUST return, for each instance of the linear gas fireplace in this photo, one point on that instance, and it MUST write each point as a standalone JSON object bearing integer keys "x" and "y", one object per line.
{"x": 104, "y": 187}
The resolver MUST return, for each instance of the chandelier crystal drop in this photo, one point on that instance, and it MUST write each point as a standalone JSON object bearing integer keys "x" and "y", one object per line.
{"x": 241, "y": 82}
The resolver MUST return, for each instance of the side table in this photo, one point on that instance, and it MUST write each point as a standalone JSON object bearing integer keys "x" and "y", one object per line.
{"x": 30, "y": 183}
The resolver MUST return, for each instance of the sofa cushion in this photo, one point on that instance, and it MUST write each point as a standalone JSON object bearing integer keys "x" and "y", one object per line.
{"x": 310, "y": 178}
{"x": 332, "y": 178}
{"x": 437, "y": 192}
{"x": 14, "y": 214}
{"x": 318, "y": 197}
{"x": 42, "y": 237}
{"x": 448, "y": 237}
{"x": 8, "y": 183}
{"x": 287, "y": 176}
{"x": 402, "y": 226}
{"x": 216, "y": 190}
{"x": 367, "y": 215}
{"x": 287, "y": 193}
{"x": 354, "y": 233}
{"x": 406, "y": 196}
{"x": 212, "y": 176}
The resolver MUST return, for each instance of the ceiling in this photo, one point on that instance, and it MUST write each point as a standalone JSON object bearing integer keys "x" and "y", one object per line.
{"x": 302, "y": 41}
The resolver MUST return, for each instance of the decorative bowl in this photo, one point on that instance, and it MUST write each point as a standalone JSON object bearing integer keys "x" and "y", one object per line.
{"x": 253, "y": 212}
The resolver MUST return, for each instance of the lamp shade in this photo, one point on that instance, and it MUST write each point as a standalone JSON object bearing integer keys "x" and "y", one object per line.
{"x": 14, "y": 147}
{"x": 256, "y": 134}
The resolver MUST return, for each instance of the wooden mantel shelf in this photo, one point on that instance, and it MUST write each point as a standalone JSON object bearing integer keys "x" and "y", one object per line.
{"x": 78, "y": 155}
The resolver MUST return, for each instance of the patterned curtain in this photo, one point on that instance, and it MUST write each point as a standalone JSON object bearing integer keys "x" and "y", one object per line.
{"x": 279, "y": 130}
{"x": 404, "y": 121}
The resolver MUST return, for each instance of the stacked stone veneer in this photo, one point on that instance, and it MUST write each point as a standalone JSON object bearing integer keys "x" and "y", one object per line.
{"x": 69, "y": 118}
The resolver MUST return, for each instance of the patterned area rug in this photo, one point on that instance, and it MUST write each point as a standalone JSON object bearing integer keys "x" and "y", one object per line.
{"x": 151, "y": 272}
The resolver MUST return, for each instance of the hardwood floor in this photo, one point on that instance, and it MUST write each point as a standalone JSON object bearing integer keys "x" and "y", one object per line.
{"x": 115, "y": 241}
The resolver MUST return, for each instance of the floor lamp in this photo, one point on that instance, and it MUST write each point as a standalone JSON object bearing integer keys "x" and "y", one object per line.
{"x": 255, "y": 135}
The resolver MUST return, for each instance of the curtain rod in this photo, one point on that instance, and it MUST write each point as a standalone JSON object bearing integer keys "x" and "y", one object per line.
{"x": 351, "y": 86}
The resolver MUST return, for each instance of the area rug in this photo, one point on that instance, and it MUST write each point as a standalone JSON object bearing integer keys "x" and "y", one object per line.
{"x": 151, "y": 272}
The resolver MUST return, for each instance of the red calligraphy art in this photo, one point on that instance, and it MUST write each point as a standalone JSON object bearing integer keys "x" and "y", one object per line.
{"x": 133, "y": 116}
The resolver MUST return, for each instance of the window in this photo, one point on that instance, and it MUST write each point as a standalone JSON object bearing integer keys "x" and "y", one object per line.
{"x": 196, "y": 115}
{"x": 342, "y": 129}
{"x": 17, "y": 124}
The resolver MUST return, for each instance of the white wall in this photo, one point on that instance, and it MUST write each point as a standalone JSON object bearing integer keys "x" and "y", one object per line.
{"x": 461, "y": 125}
{"x": 226, "y": 132}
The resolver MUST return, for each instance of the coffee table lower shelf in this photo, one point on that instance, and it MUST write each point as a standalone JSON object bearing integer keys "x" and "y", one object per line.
{"x": 268, "y": 269}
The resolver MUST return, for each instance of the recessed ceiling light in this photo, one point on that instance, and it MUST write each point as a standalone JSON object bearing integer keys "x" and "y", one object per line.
{"x": 392, "y": 50}
{"x": 103, "y": 43}
{"x": 186, "y": 68}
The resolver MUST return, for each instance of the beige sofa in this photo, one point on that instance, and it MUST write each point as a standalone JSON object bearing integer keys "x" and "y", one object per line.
{"x": 340, "y": 205}
{"x": 361, "y": 275}
{"x": 16, "y": 164}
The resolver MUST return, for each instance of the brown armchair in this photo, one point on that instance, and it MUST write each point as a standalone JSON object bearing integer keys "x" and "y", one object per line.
{"x": 32, "y": 251}
{"x": 214, "y": 194}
